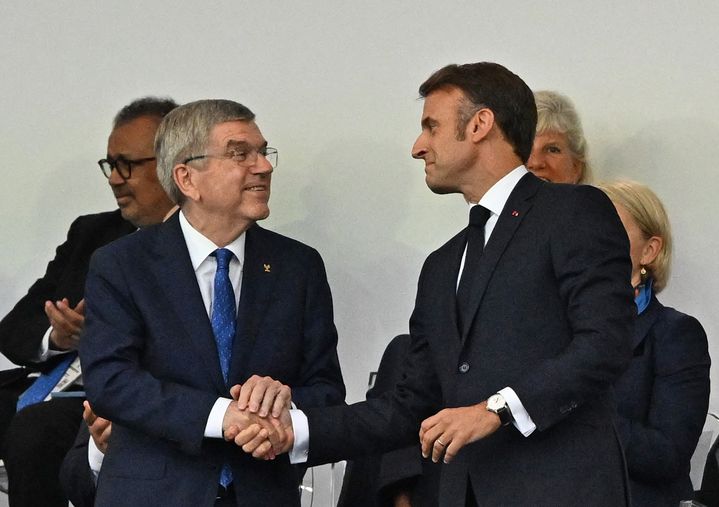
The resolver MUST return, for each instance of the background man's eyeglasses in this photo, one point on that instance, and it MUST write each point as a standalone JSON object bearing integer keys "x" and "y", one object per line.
{"x": 123, "y": 166}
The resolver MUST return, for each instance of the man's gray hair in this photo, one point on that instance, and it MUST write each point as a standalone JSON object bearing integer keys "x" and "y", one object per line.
{"x": 185, "y": 133}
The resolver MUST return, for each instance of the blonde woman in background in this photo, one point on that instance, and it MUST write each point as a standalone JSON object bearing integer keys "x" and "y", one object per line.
{"x": 664, "y": 394}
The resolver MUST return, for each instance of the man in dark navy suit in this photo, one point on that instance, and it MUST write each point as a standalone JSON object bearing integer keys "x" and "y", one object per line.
{"x": 178, "y": 313}
{"x": 521, "y": 323}
{"x": 46, "y": 324}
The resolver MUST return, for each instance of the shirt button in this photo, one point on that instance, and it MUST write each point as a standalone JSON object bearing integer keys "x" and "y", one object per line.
{"x": 464, "y": 368}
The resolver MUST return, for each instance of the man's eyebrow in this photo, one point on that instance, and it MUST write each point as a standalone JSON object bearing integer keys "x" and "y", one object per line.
{"x": 242, "y": 145}
{"x": 428, "y": 122}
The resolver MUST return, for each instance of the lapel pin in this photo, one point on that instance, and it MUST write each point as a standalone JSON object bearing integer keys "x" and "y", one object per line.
{"x": 515, "y": 213}
{"x": 267, "y": 268}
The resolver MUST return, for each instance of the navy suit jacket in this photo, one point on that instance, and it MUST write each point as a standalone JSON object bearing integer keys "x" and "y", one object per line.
{"x": 663, "y": 401}
{"x": 150, "y": 363}
{"x": 553, "y": 316}
{"x": 22, "y": 330}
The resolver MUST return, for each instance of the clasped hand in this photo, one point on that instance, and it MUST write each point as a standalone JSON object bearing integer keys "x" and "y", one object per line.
{"x": 259, "y": 420}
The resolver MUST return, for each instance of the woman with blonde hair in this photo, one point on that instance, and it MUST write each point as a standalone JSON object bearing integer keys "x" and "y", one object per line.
{"x": 559, "y": 153}
{"x": 663, "y": 396}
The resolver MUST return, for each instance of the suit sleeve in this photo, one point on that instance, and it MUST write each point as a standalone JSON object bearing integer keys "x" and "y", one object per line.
{"x": 320, "y": 382}
{"x": 76, "y": 478}
{"x": 590, "y": 259}
{"x": 117, "y": 385}
{"x": 388, "y": 422}
{"x": 661, "y": 447}
{"x": 22, "y": 330}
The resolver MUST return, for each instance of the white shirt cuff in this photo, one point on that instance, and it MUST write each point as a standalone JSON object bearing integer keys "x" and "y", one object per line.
{"x": 301, "y": 429}
{"x": 44, "y": 353}
{"x": 213, "y": 428}
{"x": 94, "y": 458}
{"x": 521, "y": 421}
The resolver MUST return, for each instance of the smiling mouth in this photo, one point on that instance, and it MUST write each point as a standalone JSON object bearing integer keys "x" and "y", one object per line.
{"x": 257, "y": 188}
{"x": 123, "y": 198}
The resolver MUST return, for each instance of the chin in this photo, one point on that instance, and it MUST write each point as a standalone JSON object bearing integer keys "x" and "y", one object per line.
{"x": 439, "y": 188}
{"x": 261, "y": 214}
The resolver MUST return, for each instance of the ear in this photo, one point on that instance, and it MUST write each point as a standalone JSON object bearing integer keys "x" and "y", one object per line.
{"x": 480, "y": 125}
{"x": 185, "y": 180}
{"x": 651, "y": 249}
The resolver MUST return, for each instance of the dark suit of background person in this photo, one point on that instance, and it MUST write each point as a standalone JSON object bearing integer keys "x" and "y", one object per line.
{"x": 373, "y": 481}
{"x": 76, "y": 477}
{"x": 53, "y": 423}
{"x": 151, "y": 362}
{"x": 40, "y": 434}
{"x": 663, "y": 400}
{"x": 551, "y": 316}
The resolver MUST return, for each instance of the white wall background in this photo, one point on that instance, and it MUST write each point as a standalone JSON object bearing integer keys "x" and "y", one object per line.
{"x": 334, "y": 85}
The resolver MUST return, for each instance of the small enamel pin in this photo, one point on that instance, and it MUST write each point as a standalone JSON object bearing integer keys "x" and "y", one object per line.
{"x": 267, "y": 268}
{"x": 515, "y": 213}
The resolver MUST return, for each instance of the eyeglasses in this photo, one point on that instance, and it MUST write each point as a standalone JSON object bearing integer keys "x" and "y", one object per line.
{"x": 123, "y": 166}
{"x": 244, "y": 158}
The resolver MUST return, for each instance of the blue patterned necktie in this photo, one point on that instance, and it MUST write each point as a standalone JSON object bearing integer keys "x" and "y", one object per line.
{"x": 45, "y": 383}
{"x": 223, "y": 325}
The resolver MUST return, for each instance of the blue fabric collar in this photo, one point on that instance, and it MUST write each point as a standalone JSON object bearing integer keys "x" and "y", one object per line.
{"x": 643, "y": 296}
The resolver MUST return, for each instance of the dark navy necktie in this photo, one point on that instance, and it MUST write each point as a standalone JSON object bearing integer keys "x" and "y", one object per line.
{"x": 45, "y": 383}
{"x": 478, "y": 216}
{"x": 223, "y": 325}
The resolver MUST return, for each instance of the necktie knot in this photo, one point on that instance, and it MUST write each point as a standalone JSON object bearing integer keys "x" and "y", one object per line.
{"x": 223, "y": 256}
{"x": 478, "y": 216}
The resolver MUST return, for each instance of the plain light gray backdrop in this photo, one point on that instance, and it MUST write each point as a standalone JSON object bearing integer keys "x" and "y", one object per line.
{"x": 334, "y": 86}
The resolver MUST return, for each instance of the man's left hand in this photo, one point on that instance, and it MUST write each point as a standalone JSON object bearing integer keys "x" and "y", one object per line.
{"x": 446, "y": 432}
{"x": 264, "y": 396}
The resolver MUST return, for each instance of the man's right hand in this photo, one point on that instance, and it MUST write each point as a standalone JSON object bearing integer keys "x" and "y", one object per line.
{"x": 99, "y": 427}
{"x": 66, "y": 322}
{"x": 263, "y": 437}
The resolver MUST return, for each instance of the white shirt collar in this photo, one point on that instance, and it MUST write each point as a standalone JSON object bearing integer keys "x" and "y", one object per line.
{"x": 496, "y": 197}
{"x": 201, "y": 247}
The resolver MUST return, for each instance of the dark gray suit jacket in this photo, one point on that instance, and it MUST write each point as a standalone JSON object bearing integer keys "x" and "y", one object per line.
{"x": 553, "y": 316}
{"x": 150, "y": 363}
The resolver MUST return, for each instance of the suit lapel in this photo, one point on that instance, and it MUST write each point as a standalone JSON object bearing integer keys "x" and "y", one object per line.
{"x": 515, "y": 209}
{"x": 645, "y": 321}
{"x": 179, "y": 283}
{"x": 447, "y": 278}
{"x": 259, "y": 273}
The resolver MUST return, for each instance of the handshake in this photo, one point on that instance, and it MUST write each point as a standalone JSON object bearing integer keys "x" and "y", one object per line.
{"x": 258, "y": 420}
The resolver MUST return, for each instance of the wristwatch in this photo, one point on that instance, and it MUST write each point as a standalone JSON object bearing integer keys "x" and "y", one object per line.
{"x": 497, "y": 404}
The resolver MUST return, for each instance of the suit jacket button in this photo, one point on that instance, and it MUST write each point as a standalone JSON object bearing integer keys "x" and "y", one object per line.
{"x": 464, "y": 368}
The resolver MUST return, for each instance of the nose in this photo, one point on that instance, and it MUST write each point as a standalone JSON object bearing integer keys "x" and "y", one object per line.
{"x": 262, "y": 166}
{"x": 419, "y": 149}
{"x": 115, "y": 179}
{"x": 536, "y": 160}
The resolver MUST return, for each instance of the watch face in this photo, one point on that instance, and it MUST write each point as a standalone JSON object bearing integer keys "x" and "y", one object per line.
{"x": 495, "y": 402}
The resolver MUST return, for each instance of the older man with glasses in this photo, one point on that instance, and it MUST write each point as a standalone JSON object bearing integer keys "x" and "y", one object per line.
{"x": 180, "y": 312}
{"x": 42, "y": 332}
